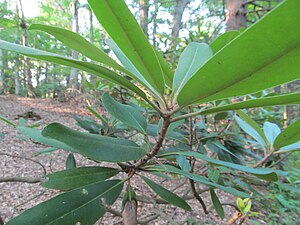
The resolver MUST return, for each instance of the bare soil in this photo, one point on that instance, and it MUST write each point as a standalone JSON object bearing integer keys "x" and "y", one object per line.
{"x": 17, "y": 153}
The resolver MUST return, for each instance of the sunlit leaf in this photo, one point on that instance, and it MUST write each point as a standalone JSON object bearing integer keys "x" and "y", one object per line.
{"x": 271, "y": 131}
{"x": 265, "y": 55}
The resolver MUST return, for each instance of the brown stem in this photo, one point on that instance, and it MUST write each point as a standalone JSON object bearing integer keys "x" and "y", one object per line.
{"x": 21, "y": 179}
{"x": 197, "y": 196}
{"x": 261, "y": 162}
{"x": 158, "y": 144}
{"x": 129, "y": 213}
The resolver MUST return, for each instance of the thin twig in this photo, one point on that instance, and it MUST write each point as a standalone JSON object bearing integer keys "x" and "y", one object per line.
{"x": 30, "y": 180}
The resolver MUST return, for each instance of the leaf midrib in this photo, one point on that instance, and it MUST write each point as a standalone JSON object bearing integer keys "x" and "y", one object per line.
{"x": 131, "y": 45}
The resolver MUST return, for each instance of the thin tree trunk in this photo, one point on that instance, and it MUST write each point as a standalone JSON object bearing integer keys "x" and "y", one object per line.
{"x": 17, "y": 61}
{"x": 27, "y": 71}
{"x": 180, "y": 6}
{"x": 144, "y": 11}
{"x": 235, "y": 14}
{"x": 73, "y": 81}
{"x": 154, "y": 23}
{"x": 91, "y": 37}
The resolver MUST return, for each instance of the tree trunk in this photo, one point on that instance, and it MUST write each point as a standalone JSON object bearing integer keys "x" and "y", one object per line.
{"x": 180, "y": 6}
{"x": 235, "y": 15}
{"x": 144, "y": 10}
{"x": 73, "y": 81}
{"x": 27, "y": 71}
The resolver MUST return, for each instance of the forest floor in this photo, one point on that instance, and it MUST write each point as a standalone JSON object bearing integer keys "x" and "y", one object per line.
{"x": 18, "y": 159}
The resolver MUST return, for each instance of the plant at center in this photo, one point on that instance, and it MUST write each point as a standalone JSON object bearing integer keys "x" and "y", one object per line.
{"x": 207, "y": 76}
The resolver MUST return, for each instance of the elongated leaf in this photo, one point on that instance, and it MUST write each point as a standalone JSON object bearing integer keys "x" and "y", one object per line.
{"x": 97, "y": 115}
{"x": 95, "y": 146}
{"x": 288, "y": 136}
{"x": 79, "y": 44}
{"x": 183, "y": 163}
{"x": 196, "y": 177}
{"x": 194, "y": 56}
{"x": 250, "y": 131}
{"x": 271, "y": 131}
{"x": 125, "y": 113}
{"x": 290, "y": 148}
{"x": 265, "y": 55}
{"x": 253, "y": 124}
{"x": 36, "y": 135}
{"x": 121, "y": 25}
{"x": 223, "y": 40}
{"x": 7, "y": 121}
{"x": 284, "y": 99}
{"x": 168, "y": 73}
{"x": 167, "y": 195}
{"x": 70, "y": 162}
{"x": 128, "y": 64}
{"x": 85, "y": 66}
{"x": 263, "y": 173}
{"x": 82, "y": 205}
{"x": 78, "y": 177}
{"x": 216, "y": 202}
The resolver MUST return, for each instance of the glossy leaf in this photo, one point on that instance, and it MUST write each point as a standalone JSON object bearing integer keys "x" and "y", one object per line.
{"x": 194, "y": 56}
{"x": 78, "y": 177}
{"x": 125, "y": 113}
{"x": 263, "y": 173}
{"x": 223, "y": 40}
{"x": 70, "y": 162}
{"x": 217, "y": 204}
{"x": 265, "y": 55}
{"x": 82, "y": 205}
{"x": 267, "y": 101}
{"x": 288, "y": 136}
{"x": 85, "y": 66}
{"x": 79, "y": 44}
{"x": 167, "y": 195}
{"x": 196, "y": 177}
{"x": 120, "y": 24}
{"x": 94, "y": 146}
{"x": 271, "y": 131}
{"x": 250, "y": 131}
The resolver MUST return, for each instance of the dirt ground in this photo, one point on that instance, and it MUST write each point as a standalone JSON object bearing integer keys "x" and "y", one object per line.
{"x": 17, "y": 153}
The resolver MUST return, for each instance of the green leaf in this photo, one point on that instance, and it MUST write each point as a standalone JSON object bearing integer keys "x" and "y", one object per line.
{"x": 250, "y": 131}
{"x": 248, "y": 205}
{"x": 78, "y": 177}
{"x": 271, "y": 131}
{"x": 223, "y": 40}
{"x": 85, "y": 66}
{"x": 289, "y": 148}
{"x": 238, "y": 69}
{"x": 194, "y": 56}
{"x": 253, "y": 124}
{"x": 97, "y": 115}
{"x": 216, "y": 202}
{"x": 120, "y": 24}
{"x": 36, "y": 135}
{"x": 79, "y": 44}
{"x": 267, "y": 101}
{"x": 7, "y": 121}
{"x": 183, "y": 163}
{"x": 196, "y": 177}
{"x": 70, "y": 162}
{"x": 125, "y": 113}
{"x": 240, "y": 204}
{"x": 82, "y": 205}
{"x": 167, "y": 195}
{"x": 94, "y": 146}
{"x": 263, "y": 173}
{"x": 288, "y": 136}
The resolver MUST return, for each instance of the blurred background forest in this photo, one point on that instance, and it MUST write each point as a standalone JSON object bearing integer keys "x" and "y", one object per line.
{"x": 169, "y": 25}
